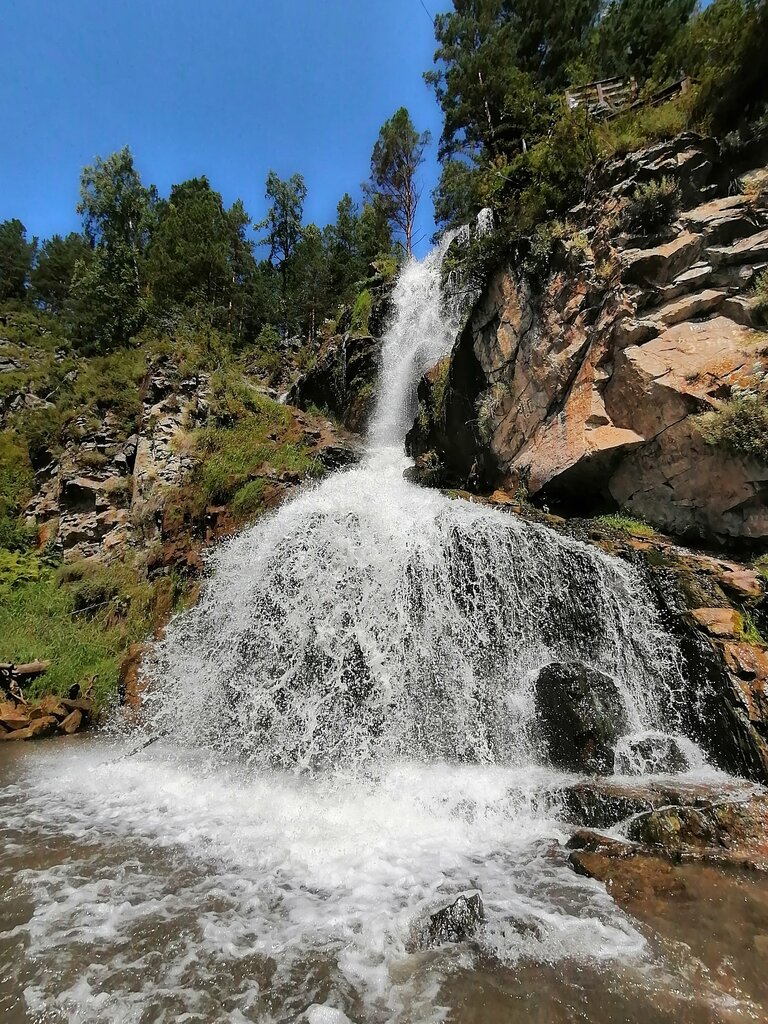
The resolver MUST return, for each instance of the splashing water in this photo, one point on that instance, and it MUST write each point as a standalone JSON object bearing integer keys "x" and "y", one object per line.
{"x": 351, "y": 741}
{"x": 371, "y": 619}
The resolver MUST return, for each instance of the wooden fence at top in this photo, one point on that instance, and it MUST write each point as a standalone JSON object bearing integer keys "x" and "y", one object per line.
{"x": 608, "y": 98}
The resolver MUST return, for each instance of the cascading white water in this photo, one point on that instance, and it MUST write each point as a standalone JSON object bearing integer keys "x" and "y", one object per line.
{"x": 372, "y": 619}
{"x": 370, "y": 650}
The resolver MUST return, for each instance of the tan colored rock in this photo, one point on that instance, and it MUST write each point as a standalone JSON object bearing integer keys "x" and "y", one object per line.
{"x": 660, "y": 265}
{"x": 51, "y": 705}
{"x": 80, "y": 704}
{"x": 16, "y": 720}
{"x": 72, "y": 723}
{"x": 719, "y": 622}
{"x": 688, "y": 308}
{"x": 747, "y": 250}
{"x": 45, "y": 726}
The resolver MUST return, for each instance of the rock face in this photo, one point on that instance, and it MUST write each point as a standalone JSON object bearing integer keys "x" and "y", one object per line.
{"x": 581, "y": 715}
{"x": 587, "y": 387}
{"x": 342, "y": 381}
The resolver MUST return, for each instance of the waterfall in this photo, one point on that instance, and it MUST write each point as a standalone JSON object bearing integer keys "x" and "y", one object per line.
{"x": 351, "y": 742}
{"x": 370, "y": 619}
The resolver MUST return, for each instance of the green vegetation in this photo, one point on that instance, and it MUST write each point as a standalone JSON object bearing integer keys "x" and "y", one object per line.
{"x": 361, "y": 313}
{"x": 626, "y": 524}
{"x": 81, "y": 618}
{"x": 511, "y": 142}
{"x": 748, "y": 631}
{"x": 740, "y": 424}
{"x": 652, "y": 206}
{"x": 760, "y": 297}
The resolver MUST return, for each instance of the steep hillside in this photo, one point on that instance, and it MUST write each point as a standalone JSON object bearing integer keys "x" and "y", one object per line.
{"x": 630, "y": 371}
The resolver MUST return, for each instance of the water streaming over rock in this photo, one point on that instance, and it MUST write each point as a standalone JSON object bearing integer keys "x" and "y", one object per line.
{"x": 351, "y": 741}
{"x": 372, "y": 619}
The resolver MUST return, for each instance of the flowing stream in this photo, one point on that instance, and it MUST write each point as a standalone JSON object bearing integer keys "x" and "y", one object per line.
{"x": 350, "y": 740}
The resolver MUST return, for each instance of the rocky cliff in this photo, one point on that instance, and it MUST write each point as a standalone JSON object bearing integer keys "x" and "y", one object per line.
{"x": 593, "y": 384}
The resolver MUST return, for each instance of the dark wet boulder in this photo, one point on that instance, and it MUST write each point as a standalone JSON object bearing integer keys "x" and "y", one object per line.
{"x": 655, "y": 754}
{"x": 581, "y": 715}
{"x": 455, "y": 923}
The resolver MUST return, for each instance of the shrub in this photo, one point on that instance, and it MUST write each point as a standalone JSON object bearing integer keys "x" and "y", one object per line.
{"x": 652, "y": 206}
{"x": 740, "y": 424}
{"x": 639, "y": 128}
{"x": 40, "y": 619}
{"x": 487, "y": 408}
{"x": 16, "y": 484}
{"x": 760, "y": 297}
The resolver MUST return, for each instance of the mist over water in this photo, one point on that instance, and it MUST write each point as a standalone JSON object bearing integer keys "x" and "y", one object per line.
{"x": 350, "y": 741}
{"x": 372, "y": 619}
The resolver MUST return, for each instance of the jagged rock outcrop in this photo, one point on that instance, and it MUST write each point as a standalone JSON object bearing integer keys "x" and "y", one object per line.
{"x": 587, "y": 388}
{"x": 343, "y": 380}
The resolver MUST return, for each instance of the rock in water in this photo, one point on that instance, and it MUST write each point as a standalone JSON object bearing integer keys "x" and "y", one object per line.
{"x": 454, "y": 923}
{"x": 581, "y": 714}
{"x": 655, "y": 754}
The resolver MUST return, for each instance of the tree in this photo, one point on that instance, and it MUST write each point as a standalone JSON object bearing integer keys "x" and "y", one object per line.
{"x": 494, "y": 56}
{"x": 456, "y": 197}
{"x": 397, "y": 155}
{"x": 117, "y": 214}
{"x": 16, "y": 256}
{"x": 117, "y": 211}
{"x": 283, "y": 222}
{"x": 198, "y": 255}
{"x": 311, "y": 279}
{"x": 633, "y": 33}
{"x": 346, "y": 263}
{"x": 55, "y": 268}
{"x": 375, "y": 233}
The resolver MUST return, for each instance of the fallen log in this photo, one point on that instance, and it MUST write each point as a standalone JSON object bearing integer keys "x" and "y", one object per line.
{"x": 29, "y": 670}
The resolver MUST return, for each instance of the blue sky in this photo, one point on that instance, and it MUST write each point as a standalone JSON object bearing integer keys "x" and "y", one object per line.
{"x": 227, "y": 88}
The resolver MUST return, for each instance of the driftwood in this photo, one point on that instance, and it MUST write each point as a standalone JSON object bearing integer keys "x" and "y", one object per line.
{"x": 30, "y": 670}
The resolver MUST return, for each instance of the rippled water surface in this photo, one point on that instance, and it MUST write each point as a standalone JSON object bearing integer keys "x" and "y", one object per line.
{"x": 167, "y": 887}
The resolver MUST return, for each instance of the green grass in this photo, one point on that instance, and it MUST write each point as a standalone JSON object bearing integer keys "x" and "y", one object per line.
{"x": 643, "y": 127}
{"x": 361, "y": 313}
{"x": 626, "y": 524}
{"x": 39, "y": 619}
{"x": 749, "y": 632}
{"x": 652, "y": 206}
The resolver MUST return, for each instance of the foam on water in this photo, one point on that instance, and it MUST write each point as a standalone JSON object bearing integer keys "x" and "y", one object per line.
{"x": 350, "y": 742}
{"x": 370, "y": 618}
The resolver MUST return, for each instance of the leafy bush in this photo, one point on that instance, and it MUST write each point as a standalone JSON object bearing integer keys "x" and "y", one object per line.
{"x": 487, "y": 408}
{"x": 640, "y": 128}
{"x": 740, "y": 424}
{"x": 652, "y": 206}
{"x": 16, "y": 485}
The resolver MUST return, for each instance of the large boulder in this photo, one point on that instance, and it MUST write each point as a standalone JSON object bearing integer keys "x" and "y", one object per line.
{"x": 581, "y": 716}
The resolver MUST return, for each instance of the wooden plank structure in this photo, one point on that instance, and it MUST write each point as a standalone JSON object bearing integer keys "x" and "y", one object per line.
{"x": 605, "y": 98}
{"x": 609, "y": 97}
